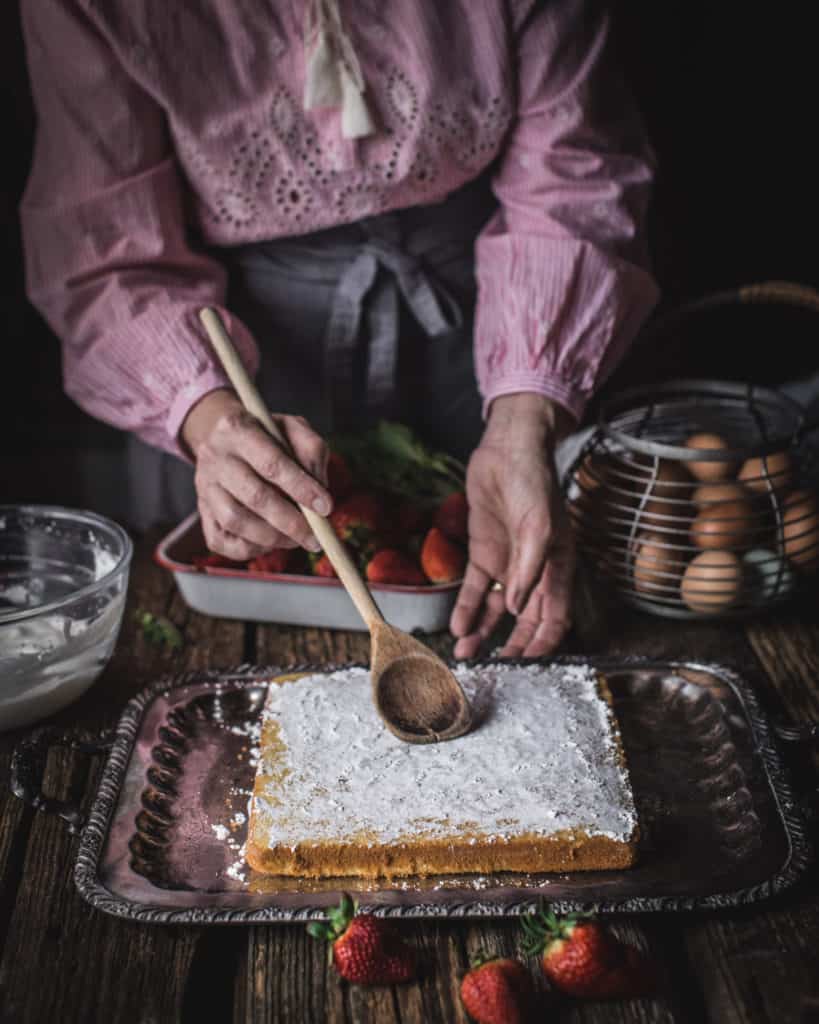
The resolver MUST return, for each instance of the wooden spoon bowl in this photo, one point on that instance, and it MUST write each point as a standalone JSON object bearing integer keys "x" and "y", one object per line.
{"x": 417, "y": 696}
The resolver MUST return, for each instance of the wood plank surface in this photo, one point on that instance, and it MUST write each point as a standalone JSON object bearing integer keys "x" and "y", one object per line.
{"x": 60, "y": 960}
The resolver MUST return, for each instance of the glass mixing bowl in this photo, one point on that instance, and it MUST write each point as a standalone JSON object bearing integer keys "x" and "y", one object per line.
{"x": 63, "y": 580}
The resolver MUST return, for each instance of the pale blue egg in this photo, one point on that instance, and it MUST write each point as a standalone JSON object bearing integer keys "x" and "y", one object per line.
{"x": 768, "y": 575}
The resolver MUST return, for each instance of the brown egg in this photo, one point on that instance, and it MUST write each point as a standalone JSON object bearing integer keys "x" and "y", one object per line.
{"x": 588, "y": 475}
{"x": 775, "y": 468}
{"x": 598, "y": 489}
{"x": 729, "y": 525}
{"x": 618, "y": 478}
{"x": 712, "y": 581}
{"x": 801, "y": 530}
{"x": 672, "y": 480}
{"x": 662, "y": 489}
{"x": 710, "y": 472}
{"x": 670, "y": 519}
{"x": 710, "y": 494}
{"x": 657, "y": 567}
{"x": 604, "y": 501}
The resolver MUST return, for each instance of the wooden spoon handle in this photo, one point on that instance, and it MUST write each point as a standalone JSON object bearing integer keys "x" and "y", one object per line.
{"x": 254, "y": 404}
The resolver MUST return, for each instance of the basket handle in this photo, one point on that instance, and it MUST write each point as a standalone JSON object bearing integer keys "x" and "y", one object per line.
{"x": 784, "y": 293}
{"x": 28, "y": 764}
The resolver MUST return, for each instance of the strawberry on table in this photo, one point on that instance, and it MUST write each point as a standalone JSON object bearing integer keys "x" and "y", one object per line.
{"x": 392, "y": 566}
{"x": 441, "y": 560}
{"x": 498, "y": 991}
{"x": 582, "y": 958}
{"x": 452, "y": 516}
{"x": 365, "y": 949}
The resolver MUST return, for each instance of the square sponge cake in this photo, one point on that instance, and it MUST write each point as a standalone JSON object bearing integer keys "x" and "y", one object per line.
{"x": 540, "y": 785}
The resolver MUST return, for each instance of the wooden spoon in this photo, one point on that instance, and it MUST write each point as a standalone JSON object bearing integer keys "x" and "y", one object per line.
{"x": 416, "y": 695}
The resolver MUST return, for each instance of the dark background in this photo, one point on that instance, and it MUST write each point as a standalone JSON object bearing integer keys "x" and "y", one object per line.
{"x": 728, "y": 92}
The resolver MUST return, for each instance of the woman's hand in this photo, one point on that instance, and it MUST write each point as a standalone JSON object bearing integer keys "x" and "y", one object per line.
{"x": 519, "y": 532}
{"x": 247, "y": 485}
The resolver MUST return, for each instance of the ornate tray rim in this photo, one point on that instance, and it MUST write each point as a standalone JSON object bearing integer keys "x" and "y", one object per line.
{"x": 94, "y": 832}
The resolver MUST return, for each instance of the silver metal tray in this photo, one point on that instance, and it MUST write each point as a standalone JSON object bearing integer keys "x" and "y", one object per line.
{"x": 719, "y": 824}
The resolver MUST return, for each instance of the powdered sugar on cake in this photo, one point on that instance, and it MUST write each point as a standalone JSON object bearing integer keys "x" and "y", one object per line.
{"x": 543, "y": 760}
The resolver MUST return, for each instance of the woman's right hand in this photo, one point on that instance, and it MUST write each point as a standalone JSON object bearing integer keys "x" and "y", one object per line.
{"x": 246, "y": 485}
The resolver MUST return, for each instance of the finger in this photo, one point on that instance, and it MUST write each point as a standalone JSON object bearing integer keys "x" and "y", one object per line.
{"x": 309, "y": 447}
{"x": 546, "y": 638}
{"x": 240, "y": 521}
{"x": 257, "y": 495}
{"x": 222, "y": 543}
{"x": 556, "y": 600}
{"x": 275, "y": 466}
{"x": 493, "y": 609}
{"x": 467, "y": 647}
{"x": 525, "y": 629}
{"x": 528, "y": 557}
{"x": 547, "y": 616}
{"x": 470, "y": 600}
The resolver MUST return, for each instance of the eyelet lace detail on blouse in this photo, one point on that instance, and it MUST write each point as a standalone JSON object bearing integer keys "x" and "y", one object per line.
{"x": 305, "y": 184}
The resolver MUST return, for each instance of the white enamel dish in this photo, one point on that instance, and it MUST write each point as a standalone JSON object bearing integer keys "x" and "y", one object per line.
{"x": 292, "y": 599}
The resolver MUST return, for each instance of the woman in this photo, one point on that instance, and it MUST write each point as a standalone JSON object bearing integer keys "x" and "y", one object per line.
{"x": 362, "y": 189}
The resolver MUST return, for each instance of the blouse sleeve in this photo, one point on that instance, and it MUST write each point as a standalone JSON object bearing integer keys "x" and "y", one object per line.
{"x": 563, "y": 284}
{"x": 107, "y": 260}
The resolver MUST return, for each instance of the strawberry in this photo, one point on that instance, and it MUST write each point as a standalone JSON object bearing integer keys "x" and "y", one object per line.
{"x": 364, "y": 949}
{"x": 339, "y": 476}
{"x": 322, "y": 566}
{"x": 582, "y": 958}
{"x": 451, "y": 517}
{"x": 358, "y": 520}
{"x": 212, "y": 561}
{"x": 390, "y": 566}
{"x": 275, "y": 561}
{"x": 441, "y": 560}
{"x": 498, "y": 991}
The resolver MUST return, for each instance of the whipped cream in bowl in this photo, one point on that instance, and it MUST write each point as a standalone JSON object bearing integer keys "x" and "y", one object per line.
{"x": 63, "y": 580}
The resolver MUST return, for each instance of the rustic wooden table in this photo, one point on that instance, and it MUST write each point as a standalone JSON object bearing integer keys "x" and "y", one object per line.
{"x": 63, "y": 961}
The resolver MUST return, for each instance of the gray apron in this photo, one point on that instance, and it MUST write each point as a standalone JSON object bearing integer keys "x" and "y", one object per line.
{"x": 355, "y": 323}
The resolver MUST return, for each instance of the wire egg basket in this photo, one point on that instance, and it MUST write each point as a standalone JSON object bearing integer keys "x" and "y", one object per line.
{"x": 694, "y": 499}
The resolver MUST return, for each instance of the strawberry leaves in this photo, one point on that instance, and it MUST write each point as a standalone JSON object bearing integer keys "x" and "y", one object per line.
{"x": 391, "y": 459}
{"x": 338, "y": 921}
{"x": 545, "y": 926}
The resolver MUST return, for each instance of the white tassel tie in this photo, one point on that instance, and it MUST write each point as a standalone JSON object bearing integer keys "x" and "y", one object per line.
{"x": 334, "y": 77}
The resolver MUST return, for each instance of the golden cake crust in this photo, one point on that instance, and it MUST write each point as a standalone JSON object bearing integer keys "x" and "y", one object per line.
{"x": 363, "y": 854}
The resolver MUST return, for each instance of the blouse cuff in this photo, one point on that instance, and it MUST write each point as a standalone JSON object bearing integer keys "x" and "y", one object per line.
{"x": 210, "y": 377}
{"x": 554, "y": 316}
{"x": 516, "y": 383}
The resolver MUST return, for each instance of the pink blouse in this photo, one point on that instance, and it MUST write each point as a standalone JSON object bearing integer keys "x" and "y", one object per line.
{"x": 163, "y": 122}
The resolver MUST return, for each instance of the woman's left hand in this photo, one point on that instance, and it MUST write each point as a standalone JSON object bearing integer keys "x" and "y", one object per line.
{"x": 519, "y": 533}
